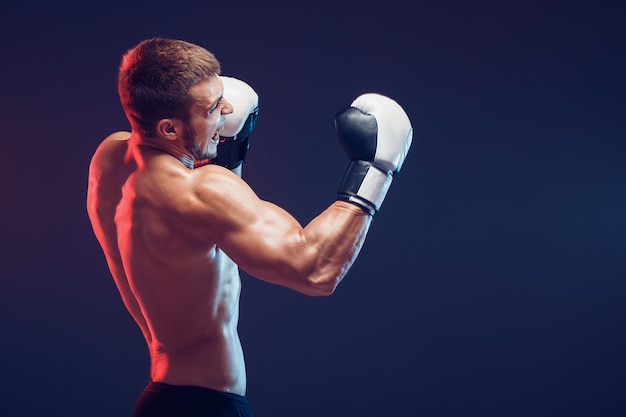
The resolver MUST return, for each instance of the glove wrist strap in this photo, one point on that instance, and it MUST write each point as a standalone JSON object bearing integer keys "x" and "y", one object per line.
{"x": 231, "y": 151}
{"x": 364, "y": 185}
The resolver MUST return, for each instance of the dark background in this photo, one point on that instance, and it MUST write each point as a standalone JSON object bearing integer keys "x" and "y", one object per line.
{"x": 492, "y": 282}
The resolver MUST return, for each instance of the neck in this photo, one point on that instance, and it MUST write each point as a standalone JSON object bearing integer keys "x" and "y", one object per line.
{"x": 170, "y": 148}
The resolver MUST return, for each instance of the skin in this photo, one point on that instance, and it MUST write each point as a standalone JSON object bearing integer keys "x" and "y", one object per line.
{"x": 175, "y": 237}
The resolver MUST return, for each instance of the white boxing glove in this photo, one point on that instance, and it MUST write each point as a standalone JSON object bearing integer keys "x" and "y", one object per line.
{"x": 234, "y": 137}
{"x": 376, "y": 134}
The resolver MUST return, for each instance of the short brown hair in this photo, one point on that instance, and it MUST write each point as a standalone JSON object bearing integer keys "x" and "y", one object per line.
{"x": 155, "y": 77}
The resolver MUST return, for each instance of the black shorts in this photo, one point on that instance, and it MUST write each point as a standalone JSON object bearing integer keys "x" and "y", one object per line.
{"x": 164, "y": 400}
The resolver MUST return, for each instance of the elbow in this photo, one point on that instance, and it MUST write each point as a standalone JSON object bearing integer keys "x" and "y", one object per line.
{"x": 321, "y": 287}
{"x": 321, "y": 290}
{"x": 314, "y": 275}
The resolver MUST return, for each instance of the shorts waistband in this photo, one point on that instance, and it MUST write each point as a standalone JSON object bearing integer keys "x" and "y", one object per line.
{"x": 161, "y": 386}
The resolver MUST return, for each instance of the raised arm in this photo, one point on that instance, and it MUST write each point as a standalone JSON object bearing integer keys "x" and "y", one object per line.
{"x": 267, "y": 242}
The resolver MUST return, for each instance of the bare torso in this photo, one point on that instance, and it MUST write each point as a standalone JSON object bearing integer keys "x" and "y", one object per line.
{"x": 166, "y": 230}
{"x": 181, "y": 289}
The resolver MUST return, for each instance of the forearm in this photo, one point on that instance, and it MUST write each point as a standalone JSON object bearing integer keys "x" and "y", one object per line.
{"x": 332, "y": 242}
{"x": 311, "y": 260}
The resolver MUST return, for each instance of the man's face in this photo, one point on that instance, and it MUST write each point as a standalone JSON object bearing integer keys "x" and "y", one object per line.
{"x": 206, "y": 118}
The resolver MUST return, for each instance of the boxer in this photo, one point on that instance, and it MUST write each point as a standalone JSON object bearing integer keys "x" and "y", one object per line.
{"x": 176, "y": 222}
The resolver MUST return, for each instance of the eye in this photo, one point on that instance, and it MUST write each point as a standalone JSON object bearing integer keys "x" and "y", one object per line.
{"x": 217, "y": 105}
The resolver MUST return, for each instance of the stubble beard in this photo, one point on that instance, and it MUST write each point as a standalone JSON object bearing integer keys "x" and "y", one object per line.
{"x": 193, "y": 147}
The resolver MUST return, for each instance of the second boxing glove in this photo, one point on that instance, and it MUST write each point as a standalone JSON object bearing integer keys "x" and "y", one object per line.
{"x": 234, "y": 137}
{"x": 376, "y": 134}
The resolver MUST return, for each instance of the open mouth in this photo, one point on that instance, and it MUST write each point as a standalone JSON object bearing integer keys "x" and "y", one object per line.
{"x": 216, "y": 135}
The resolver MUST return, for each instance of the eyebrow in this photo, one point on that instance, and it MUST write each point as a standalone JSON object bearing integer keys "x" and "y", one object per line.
{"x": 207, "y": 104}
{"x": 213, "y": 104}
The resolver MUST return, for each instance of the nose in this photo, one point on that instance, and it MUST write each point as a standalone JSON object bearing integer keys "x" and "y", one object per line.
{"x": 227, "y": 108}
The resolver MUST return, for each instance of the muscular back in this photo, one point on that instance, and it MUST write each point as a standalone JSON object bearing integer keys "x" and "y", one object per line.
{"x": 179, "y": 287}
{"x": 166, "y": 231}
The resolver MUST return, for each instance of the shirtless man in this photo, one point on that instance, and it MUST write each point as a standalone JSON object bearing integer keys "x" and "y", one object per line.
{"x": 176, "y": 224}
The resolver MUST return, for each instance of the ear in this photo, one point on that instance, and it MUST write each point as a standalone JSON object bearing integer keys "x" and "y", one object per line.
{"x": 169, "y": 129}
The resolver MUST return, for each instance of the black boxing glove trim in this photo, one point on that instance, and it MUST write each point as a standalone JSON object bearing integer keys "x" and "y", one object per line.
{"x": 357, "y": 132}
{"x": 364, "y": 185}
{"x": 231, "y": 152}
{"x": 364, "y": 205}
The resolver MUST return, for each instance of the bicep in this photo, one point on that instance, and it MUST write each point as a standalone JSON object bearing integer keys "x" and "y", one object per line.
{"x": 265, "y": 240}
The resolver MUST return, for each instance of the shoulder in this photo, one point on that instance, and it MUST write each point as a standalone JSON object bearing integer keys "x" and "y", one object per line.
{"x": 115, "y": 140}
{"x": 221, "y": 196}
{"x": 114, "y": 143}
{"x": 214, "y": 184}
{"x": 117, "y": 136}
